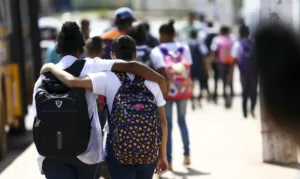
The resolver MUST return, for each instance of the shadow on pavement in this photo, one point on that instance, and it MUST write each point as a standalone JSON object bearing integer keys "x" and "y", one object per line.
{"x": 292, "y": 166}
{"x": 191, "y": 172}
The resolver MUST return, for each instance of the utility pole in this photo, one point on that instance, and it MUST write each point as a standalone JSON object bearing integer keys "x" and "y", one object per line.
{"x": 278, "y": 148}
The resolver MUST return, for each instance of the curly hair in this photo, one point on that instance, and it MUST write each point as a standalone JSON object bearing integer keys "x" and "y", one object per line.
{"x": 70, "y": 39}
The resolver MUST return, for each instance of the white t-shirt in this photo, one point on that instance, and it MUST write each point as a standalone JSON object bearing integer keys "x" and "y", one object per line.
{"x": 235, "y": 50}
{"x": 94, "y": 153}
{"x": 108, "y": 84}
{"x": 140, "y": 50}
{"x": 158, "y": 58}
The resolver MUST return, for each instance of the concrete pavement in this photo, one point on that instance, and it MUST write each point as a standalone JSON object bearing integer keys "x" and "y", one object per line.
{"x": 223, "y": 145}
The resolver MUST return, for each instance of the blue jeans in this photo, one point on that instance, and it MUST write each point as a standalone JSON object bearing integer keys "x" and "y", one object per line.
{"x": 181, "y": 111}
{"x": 71, "y": 168}
{"x": 121, "y": 171}
{"x": 226, "y": 70}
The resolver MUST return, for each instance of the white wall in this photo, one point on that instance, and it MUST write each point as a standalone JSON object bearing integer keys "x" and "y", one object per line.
{"x": 221, "y": 8}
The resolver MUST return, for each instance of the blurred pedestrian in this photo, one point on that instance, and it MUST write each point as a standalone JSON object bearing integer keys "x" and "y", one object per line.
{"x": 124, "y": 18}
{"x": 176, "y": 58}
{"x": 212, "y": 59}
{"x": 199, "y": 66}
{"x": 140, "y": 35}
{"x": 85, "y": 29}
{"x": 202, "y": 26}
{"x": 94, "y": 49}
{"x": 151, "y": 40}
{"x": 192, "y": 24}
{"x": 222, "y": 47}
{"x": 51, "y": 55}
{"x": 242, "y": 53}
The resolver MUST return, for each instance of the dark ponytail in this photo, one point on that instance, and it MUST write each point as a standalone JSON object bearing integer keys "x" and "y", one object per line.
{"x": 139, "y": 34}
{"x": 168, "y": 28}
{"x": 124, "y": 47}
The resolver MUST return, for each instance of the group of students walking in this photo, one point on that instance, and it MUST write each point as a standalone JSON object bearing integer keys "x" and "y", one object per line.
{"x": 132, "y": 94}
{"x": 218, "y": 53}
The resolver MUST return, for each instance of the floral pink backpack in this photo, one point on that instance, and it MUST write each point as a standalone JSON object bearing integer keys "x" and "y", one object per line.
{"x": 179, "y": 71}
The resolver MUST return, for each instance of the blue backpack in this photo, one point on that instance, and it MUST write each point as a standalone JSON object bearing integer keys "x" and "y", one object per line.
{"x": 245, "y": 59}
{"x": 135, "y": 125}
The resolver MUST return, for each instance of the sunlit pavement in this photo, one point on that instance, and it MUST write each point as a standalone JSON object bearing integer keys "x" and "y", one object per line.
{"x": 223, "y": 145}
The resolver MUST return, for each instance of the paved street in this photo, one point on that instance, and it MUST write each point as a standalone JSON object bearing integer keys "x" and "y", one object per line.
{"x": 223, "y": 145}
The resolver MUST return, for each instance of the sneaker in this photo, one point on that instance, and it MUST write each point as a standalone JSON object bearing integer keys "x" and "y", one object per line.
{"x": 253, "y": 114}
{"x": 170, "y": 167}
{"x": 187, "y": 161}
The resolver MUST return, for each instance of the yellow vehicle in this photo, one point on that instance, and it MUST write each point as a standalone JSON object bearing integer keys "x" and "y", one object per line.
{"x": 20, "y": 61}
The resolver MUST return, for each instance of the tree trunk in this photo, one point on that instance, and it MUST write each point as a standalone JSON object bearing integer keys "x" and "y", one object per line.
{"x": 277, "y": 146}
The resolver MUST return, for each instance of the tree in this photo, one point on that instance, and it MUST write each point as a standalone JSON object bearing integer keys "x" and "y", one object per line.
{"x": 277, "y": 146}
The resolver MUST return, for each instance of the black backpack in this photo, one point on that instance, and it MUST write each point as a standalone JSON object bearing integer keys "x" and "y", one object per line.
{"x": 62, "y": 126}
{"x": 209, "y": 39}
{"x": 145, "y": 59}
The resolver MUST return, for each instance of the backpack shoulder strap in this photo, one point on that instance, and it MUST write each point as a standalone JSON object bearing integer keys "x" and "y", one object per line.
{"x": 148, "y": 51}
{"x": 123, "y": 77}
{"x": 180, "y": 50}
{"x": 164, "y": 50}
{"x": 76, "y": 68}
{"x": 139, "y": 80}
{"x": 146, "y": 56}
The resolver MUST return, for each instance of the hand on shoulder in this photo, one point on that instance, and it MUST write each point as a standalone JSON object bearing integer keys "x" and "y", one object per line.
{"x": 47, "y": 68}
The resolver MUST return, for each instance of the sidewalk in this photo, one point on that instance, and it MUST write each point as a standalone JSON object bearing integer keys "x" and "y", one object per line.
{"x": 223, "y": 146}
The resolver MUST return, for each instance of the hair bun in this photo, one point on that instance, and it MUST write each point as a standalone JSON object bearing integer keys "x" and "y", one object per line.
{"x": 171, "y": 22}
{"x": 125, "y": 43}
{"x": 140, "y": 28}
{"x": 70, "y": 30}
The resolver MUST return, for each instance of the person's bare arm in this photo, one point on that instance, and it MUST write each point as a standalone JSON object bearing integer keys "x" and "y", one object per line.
{"x": 141, "y": 70}
{"x": 66, "y": 78}
{"x": 136, "y": 68}
{"x": 164, "y": 126}
{"x": 163, "y": 72}
{"x": 162, "y": 162}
